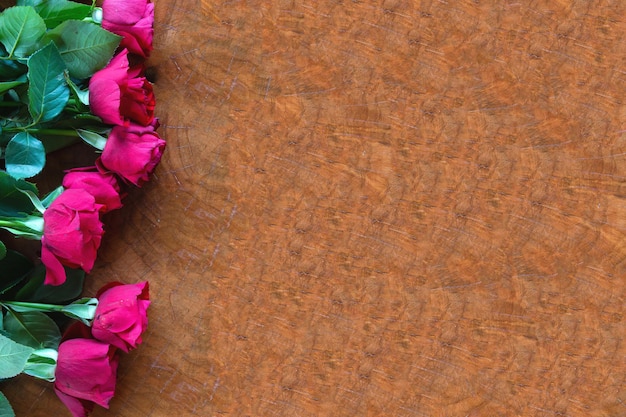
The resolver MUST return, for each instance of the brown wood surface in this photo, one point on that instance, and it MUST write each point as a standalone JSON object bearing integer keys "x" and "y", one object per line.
{"x": 391, "y": 208}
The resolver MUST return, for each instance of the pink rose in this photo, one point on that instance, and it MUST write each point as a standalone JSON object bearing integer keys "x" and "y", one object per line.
{"x": 119, "y": 94}
{"x": 133, "y": 152}
{"x": 103, "y": 186}
{"x": 133, "y": 20}
{"x": 121, "y": 315}
{"x": 77, "y": 406}
{"x": 72, "y": 233}
{"x": 85, "y": 374}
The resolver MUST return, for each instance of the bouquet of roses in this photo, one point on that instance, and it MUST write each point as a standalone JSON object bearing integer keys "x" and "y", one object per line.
{"x": 70, "y": 72}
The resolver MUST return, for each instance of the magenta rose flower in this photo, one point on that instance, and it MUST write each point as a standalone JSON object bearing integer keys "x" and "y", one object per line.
{"x": 133, "y": 20}
{"x": 72, "y": 233}
{"x": 85, "y": 374}
{"x": 121, "y": 316}
{"x": 133, "y": 152}
{"x": 119, "y": 94}
{"x": 102, "y": 186}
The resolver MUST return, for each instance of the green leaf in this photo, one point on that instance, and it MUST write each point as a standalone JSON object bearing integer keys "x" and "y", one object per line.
{"x": 34, "y": 291}
{"x": 29, "y": 227}
{"x": 33, "y": 283}
{"x": 35, "y": 200}
{"x": 42, "y": 364}
{"x": 92, "y": 138}
{"x": 14, "y": 268}
{"x": 7, "y": 85}
{"x": 53, "y": 143}
{"x": 81, "y": 95}
{"x": 11, "y": 69}
{"x": 33, "y": 329}
{"x": 85, "y": 47}
{"x": 20, "y": 30}
{"x": 48, "y": 92}
{"x": 25, "y": 156}
{"x": 52, "y": 195}
{"x": 29, "y": 2}
{"x": 54, "y": 12}
{"x": 13, "y": 203}
{"x": 13, "y": 357}
{"x": 5, "y": 407}
{"x": 3, "y": 250}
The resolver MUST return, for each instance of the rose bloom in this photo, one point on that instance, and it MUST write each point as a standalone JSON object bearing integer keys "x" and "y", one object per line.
{"x": 119, "y": 94}
{"x": 102, "y": 186}
{"x": 133, "y": 20}
{"x": 133, "y": 152}
{"x": 85, "y": 374}
{"x": 72, "y": 233}
{"x": 121, "y": 316}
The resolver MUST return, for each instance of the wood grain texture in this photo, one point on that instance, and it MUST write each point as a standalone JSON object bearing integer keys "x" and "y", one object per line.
{"x": 391, "y": 208}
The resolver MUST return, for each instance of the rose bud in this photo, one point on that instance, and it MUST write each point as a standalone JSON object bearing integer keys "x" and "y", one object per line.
{"x": 103, "y": 186}
{"x": 132, "y": 152}
{"x": 85, "y": 374}
{"x": 72, "y": 233}
{"x": 121, "y": 315}
{"x": 133, "y": 20}
{"x": 119, "y": 94}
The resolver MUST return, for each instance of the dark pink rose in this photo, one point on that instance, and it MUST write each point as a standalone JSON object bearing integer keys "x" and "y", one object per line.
{"x": 85, "y": 374}
{"x": 103, "y": 186}
{"x": 121, "y": 316}
{"x": 133, "y": 152}
{"x": 119, "y": 94}
{"x": 72, "y": 233}
{"x": 78, "y": 407}
{"x": 133, "y": 20}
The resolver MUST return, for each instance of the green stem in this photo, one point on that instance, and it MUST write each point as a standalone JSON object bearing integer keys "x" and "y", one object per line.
{"x": 87, "y": 116}
{"x": 31, "y": 306}
{"x": 54, "y": 132}
{"x": 83, "y": 309}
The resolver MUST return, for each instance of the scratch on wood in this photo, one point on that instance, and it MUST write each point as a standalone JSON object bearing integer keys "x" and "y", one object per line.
{"x": 267, "y": 87}
{"x": 310, "y": 93}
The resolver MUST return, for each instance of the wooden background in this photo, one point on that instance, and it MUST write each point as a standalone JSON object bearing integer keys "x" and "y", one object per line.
{"x": 390, "y": 208}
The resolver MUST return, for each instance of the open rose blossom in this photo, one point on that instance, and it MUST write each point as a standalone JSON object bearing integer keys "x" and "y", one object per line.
{"x": 103, "y": 186}
{"x": 85, "y": 374}
{"x": 131, "y": 19}
{"x": 121, "y": 316}
{"x": 119, "y": 94}
{"x": 72, "y": 233}
{"x": 133, "y": 152}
